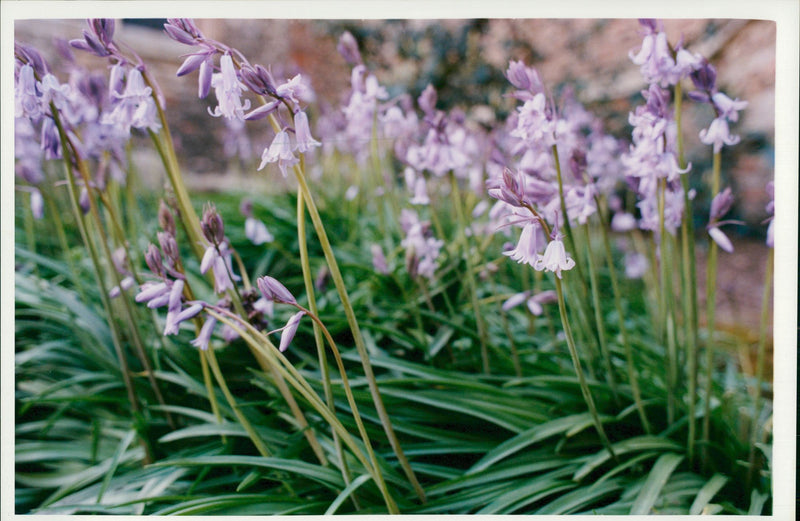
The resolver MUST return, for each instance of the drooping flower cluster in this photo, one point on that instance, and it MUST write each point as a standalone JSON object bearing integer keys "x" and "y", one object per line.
{"x": 661, "y": 64}
{"x": 236, "y": 77}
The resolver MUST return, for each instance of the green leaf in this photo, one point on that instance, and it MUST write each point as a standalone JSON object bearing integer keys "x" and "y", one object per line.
{"x": 631, "y": 445}
{"x": 705, "y": 494}
{"x": 527, "y": 438}
{"x": 346, "y": 493}
{"x": 663, "y": 468}
{"x": 324, "y": 475}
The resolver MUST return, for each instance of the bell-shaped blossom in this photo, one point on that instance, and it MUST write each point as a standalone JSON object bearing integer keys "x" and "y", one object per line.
{"x": 302, "y": 133}
{"x": 420, "y": 192}
{"x": 727, "y": 108}
{"x": 378, "y": 260}
{"x": 348, "y": 48}
{"x": 228, "y": 90}
{"x": 555, "y": 257}
{"x": 635, "y": 265}
{"x": 289, "y": 330}
{"x": 280, "y": 151}
{"x": 718, "y": 134}
{"x": 256, "y": 231}
{"x": 204, "y": 337}
{"x": 134, "y": 106}
{"x": 295, "y": 90}
{"x": 218, "y": 259}
{"x": 721, "y": 239}
{"x": 528, "y": 246}
{"x": 534, "y": 122}
{"x": 27, "y": 98}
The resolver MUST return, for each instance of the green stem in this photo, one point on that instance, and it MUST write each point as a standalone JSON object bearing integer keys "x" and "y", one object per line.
{"x": 623, "y": 330}
{"x": 212, "y": 396}
{"x": 473, "y": 291}
{"x": 711, "y": 301}
{"x": 254, "y": 437}
{"x": 598, "y": 316}
{"x": 760, "y": 363}
{"x": 312, "y": 305}
{"x": 350, "y": 400}
{"x": 689, "y": 276}
{"x": 573, "y": 352}
{"x": 88, "y": 242}
{"x": 665, "y": 288}
{"x": 260, "y": 342}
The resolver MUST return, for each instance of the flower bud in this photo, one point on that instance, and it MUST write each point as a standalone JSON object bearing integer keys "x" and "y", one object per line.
{"x": 169, "y": 246}
{"x": 153, "y": 259}
{"x": 165, "y": 219}
{"x": 273, "y": 290}
{"x": 348, "y": 48}
{"x": 212, "y": 225}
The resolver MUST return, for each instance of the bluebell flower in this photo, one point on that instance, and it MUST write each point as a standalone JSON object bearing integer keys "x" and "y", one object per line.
{"x": 229, "y": 90}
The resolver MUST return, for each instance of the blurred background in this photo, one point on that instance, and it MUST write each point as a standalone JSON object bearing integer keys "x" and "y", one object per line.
{"x": 464, "y": 60}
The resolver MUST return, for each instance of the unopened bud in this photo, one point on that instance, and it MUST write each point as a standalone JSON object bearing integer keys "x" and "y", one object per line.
{"x": 153, "y": 259}
{"x": 165, "y": 218}
{"x": 213, "y": 227}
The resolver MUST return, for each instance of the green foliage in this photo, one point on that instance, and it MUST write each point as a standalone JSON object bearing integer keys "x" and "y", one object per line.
{"x": 499, "y": 443}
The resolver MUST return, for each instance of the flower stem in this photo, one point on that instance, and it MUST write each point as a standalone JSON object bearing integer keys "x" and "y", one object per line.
{"x": 338, "y": 281}
{"x": 689, "y": 280}
{"x": 573, "y": 352}
{"x": 254, "y": 437}
{"x": 711, "y": 301}
{"x": 598, "y": 316}
{"x": 473, "y": 291}
{"x": 760, "y": 362}
{"x": 312, "y": 305}
{"x": 260, "y": 342}
{"x": 623, "y": 330}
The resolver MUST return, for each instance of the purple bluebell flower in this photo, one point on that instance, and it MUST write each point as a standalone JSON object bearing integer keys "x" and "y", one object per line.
{"x": 256, "y": 231}
{"x": 420, "y": 192}
{"x": 295, "y": 90}
{"x": 718, "y": 134}
{"x": 273, "y": 290}
{"x": 623, "y": 222}
{"x": 726, "y": 107}
{"x": 262, "y": 111}
{"x": 721, "y": 239}
{"x": 635, "y": 265}
{"x": 422, "y": 250}
{"x": 348, "y": 48}
{"x": 279, "y": 151}
{"x": 212, "y": 225}
{"x": 204, "y": 337}
{"x": 302, "y": 133}
{"x": 289, "y": 330}
{"x": 721, "y": 204}
{"x": 183, "y": 30}
{"x": 555, "y": 257}
{"x": 258, "y": 79}
{"x": 229, "y": 90}
{"x": 134, "y": 107}
{"x": 524, "y": 78}
{"x": 527, "y": 249}
{"x": 378, "y": 260}
{"x": 657, "y": 63}
{"x": 535, "y": 123}
{"x": 27, "y": 97}
{"x": 218, "y": 259}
